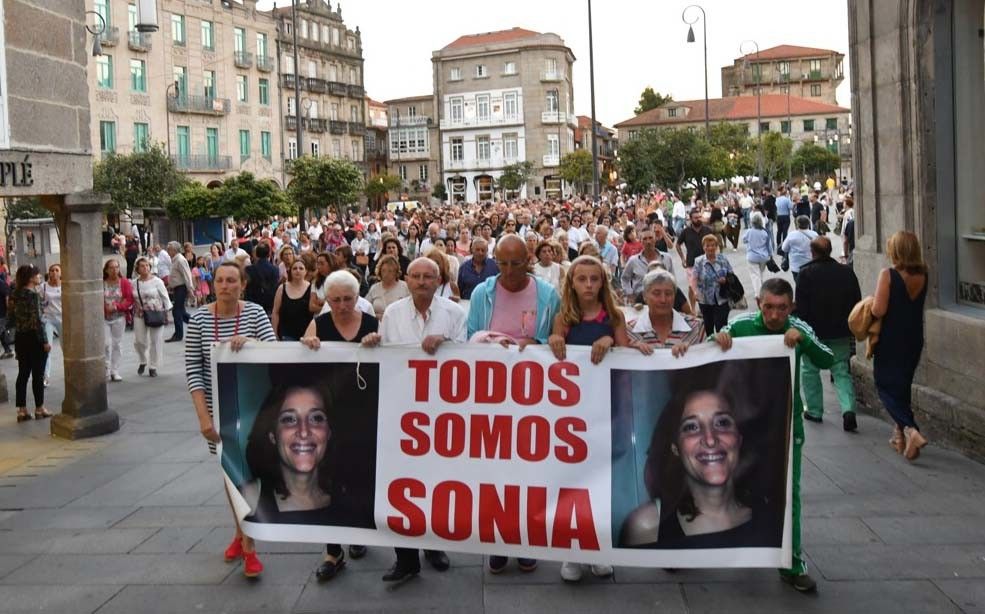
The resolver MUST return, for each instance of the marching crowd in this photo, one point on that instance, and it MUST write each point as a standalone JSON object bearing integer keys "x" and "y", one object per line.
{"x": 523, "y": 272}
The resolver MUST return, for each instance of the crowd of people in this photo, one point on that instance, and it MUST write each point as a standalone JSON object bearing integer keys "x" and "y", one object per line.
{"x": 600, "y": 275}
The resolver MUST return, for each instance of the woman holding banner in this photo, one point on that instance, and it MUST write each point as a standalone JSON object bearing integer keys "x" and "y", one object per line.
{"x": 347, "y": 324}
{"x": 227, "y": 320}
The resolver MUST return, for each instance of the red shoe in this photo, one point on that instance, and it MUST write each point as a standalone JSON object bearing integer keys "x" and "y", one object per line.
{"x": 235, "y": 550}
{"x": 252, "y": 567}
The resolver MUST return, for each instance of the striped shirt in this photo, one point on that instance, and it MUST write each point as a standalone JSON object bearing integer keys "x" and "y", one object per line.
{"x": 685, "y": 329}
{"x": 200, "y": 335}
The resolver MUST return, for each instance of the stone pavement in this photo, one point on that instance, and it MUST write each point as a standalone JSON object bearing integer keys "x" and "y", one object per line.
{"x": 137, "y": 521}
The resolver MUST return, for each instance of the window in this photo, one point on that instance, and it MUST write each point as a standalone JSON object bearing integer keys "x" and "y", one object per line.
{"x": 312, "y": 110}
{"x": 184, "y": 142}
{"x": 303, "y": 33}
{"x": 815, "y": 89}
{"x": 480, "y": 71}
{"x": 242, "y": 88}
{"x": 208, "y": 40}
{"x": 510, "y": 107}
{"x": 178, "y": 30}
{"x": 764, "y": 126}
{"x": 482, "y": 150}
{"x": 350, "y": 43}
{"x": 312, "y": 69}
{"x": 334, "y": 112}
{"x": 325, "y": 36}
{"x": 455, "y": 105}
{"x": 264, "y": 92}
{"x": 261, "y": 45}
{"x": 287, "y": 26}
{"x": 634, "y": 134}
{"x": 757, "y": 73}
{"x": 141, "y": 137}
{"x": 244, "y": 145}
{"x": 353, "y": 113}
{"x": 132, "y": 18}
{"x": 353, "y": 76}
{"x": 102, "y": 7}
{"x": 180, "y": 76}
{"x": 422, "y": 172}
{"x": 107, "y": 137}
{"x": 552, "y": 101}
{"x": 783, "y": 68}
{"x": 239, "y": 40}
{"x": 510, "y": 150}
{"x": 455, "y": 74}
{"x": 138, "y": 76}
{"x": 672, "y": 112}
{"x": 509, "y": 68}
{"x": 314, "y": 32}
{"x": 265, "y": 146}
{"x": 288, "y": 64}
{"x": 357, "y": 150}
{"x": 402, "y": 171}
{"x": 335, "y": 36}
{"x": 808, "y": 125}
{"x": 208, "y": 83}
{"x": 831, "y": 123}
{"x": 411, "y": 111}
{"x": 337, "y": 148}
{"x": 292, "y": 149}
{"x": 550, "y": 67}
{"x": 482, "y": 107}
{"x": 785, "y": 127}
{"x": 553, "y": 145}
{"x": 815, "y": 67}
{"x": 292, "y": 107}
{"x": 315, "y": 149}
{"x": 212, "y": 144}
{"x": 104, "y": 72}
{"x": 457, "y": 149}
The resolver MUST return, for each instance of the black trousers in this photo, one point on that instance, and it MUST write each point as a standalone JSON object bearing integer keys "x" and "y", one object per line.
{"x": 715, "y": 317}
{"x": 131, "y": 259}
{"x": 782, "y": 227}
{"x": 180, "y": 295}
{"x": 31, "y": 359}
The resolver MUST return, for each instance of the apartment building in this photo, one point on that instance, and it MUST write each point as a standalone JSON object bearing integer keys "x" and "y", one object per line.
{"x": 203, "y": 86}
{"x": 414, "y": 144}
{"x": 503, "y": 97}
{"x": 804, "y": 72}
{"x": 377, "y": 126}
{"x": 799, "y": 119}
{"x": 329, "y": 72}
{"x": 606, "y": 145}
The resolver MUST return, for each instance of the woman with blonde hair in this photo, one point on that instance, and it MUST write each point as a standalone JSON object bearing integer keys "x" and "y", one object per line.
{"x": 390, "y": 288}
{"x": 448, "y": 288}
{"x": 899, "y": 298}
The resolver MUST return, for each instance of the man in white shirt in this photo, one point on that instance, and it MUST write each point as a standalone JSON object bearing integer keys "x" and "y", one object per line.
{"x": 428, "y": 320}
{"x": 746, "y": 203}
{"x": 233, "y": 252}
{"x": 576, "y": 234}
{"x": 434, "y": 233}
{"x": 678, "y": 216}
{"x": 163, "y": 264}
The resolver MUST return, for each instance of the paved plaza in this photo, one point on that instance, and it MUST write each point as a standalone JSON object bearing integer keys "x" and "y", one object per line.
{"x": 137, "y": 521}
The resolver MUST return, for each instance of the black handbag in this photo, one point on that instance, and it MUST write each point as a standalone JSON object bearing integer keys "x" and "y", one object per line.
{"x": 732, "y": 288}
{"x": 152, "y": 318}
{"x": 772, "y": 266}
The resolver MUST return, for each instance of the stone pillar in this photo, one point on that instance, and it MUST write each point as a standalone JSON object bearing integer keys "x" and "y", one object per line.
{"x": 85, "y": 411}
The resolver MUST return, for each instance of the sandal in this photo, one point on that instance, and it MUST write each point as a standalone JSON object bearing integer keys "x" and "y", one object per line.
{"x": 41, "y": 414}
{"x": 23, "y": 416}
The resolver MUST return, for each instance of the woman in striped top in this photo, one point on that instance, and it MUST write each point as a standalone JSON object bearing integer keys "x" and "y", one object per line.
{"x": 227, "y": 319}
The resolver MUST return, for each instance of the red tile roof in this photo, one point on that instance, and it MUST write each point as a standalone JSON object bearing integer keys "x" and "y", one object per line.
{"x": 374, "y": 103}
{"x": 730, "y": 109}
{"x": 782, "y": 52}
{"x": 491, "y": 38}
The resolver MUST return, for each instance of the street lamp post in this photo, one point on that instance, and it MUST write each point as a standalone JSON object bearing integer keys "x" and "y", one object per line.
{"x": 704, "y": 40}
{"x": 759, "y": 109}
{"x": 591, "y": 78}
{"x": 167, "y": 111}
{"x": 297, "y": 78}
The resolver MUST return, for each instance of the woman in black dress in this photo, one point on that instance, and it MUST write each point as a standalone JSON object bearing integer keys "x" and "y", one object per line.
{"x": 344, "y": 323}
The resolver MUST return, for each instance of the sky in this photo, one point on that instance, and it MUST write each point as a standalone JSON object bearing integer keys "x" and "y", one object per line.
{"x": 637, "y": 42}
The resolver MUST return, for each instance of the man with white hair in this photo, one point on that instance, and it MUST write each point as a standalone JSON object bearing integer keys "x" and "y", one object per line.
{"x": 429, "y": 320}
{"x": 607, "y": 251}
{"x": 179, "y": 283}
{"x": 434, "y": 233}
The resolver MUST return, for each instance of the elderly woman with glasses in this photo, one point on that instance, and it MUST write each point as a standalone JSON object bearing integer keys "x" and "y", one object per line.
{"x": 662, "y": 326}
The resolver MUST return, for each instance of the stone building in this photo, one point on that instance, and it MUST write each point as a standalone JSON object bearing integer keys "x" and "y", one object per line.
{"x": 414, "y": 144}
{"x": 802, "y": 120}
{"x": 204, "y": 86}
{"x": 804, "y": 72}
{"x": 330, "y": 75}
{"x": 377, "y": 125}
{"x": 504, "y": 97}
{"x": 917, "y": 97}
{"x": 606, "y": 142}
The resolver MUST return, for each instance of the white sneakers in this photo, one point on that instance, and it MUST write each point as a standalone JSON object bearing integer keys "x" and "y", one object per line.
{"x": 115, "y": 377}
{"x": 572, "y": 572}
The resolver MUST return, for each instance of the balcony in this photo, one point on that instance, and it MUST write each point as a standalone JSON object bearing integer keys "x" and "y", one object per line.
{"x": 265, "y": 63}
{"x": 417, "y": 120}
{"x": 290, "y": 122}
{"x": 318, "y": 86}
{"x": 139, "y": 41}
{"x": 243, "y": 59}
{"x": 551, "y": 160}
{"x": 814, "y": 75}
{"x": 205, "y": 105}
{"x": 316, "y": 124}
{"x": 202, "y": 163}
{"x": 552, "y": 76}
{"x": 337, "y": 127}
{"x": 553, "y": 117}
{"x": 356, "y": 91}
{"x": 357, "y": 128}
{"x": 110, "y": 37}
{"x": 336, "y": 88}
{"x": 287, "y": 80}
{"x": 476, "y": 122}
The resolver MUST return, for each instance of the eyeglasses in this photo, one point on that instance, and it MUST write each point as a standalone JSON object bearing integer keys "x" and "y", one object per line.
{"x": 513, "y": 264}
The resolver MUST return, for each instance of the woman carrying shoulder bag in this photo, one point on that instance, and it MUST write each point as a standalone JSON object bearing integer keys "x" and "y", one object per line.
{"x": 150, "y": 315}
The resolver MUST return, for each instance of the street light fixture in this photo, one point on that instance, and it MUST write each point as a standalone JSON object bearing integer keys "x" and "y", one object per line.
{"x": 704, "y": 39}
{"x": 591, "y": 78}
{"x": 146, "y": 16}
{"x": 759, "y": 108}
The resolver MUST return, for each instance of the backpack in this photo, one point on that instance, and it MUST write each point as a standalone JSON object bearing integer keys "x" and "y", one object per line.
{"x": 262, "y": 286}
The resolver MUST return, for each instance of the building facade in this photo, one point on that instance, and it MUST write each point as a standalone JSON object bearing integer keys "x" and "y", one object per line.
{"x": 502, "y": 98}
{"x": 377, "y": 125}
{"x": 917, "y": 99}
{"x": 414, "y": 145}
{"x": 329, "y": 72}
{"x": 204, "y": 86}
{"x": 606, "y": 144}
{"x": 804, "y": 72}
{"x": 802, "y": 120}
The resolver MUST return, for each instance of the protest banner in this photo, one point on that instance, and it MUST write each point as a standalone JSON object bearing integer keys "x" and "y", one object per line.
{"x": 490, "y": 450}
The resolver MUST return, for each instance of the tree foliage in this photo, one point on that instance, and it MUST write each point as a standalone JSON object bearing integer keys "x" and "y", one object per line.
{"x": 576, "y": 169}
{"x": 137, "y": 180}
{"x": 440, "y": 192}
{"x": 515, "y": 175}
{"x": 382, "y": 185}
{"x": 650, "y": 99}
{"x": 193, "y": 201}
{"x": 244, "y": 198}
{"x": 776, "y": 156}
{"x": 813, "y": 160}
{"x": 323, "y": 181}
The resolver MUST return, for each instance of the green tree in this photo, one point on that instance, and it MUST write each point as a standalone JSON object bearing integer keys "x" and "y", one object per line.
{"x": 440, "y": 192}
{"x": 324, "y": 181}
{"x": 576, "y": 169}
{"x": 381, "y": 185}
{"x": 776, "y": 156}
{"x": 138, "y": 180}
{"x": 193, "y": 201}
{"x": 650, "y": 99}
{"x": 684, "y": 158}
{"x": 515, "y": 175}
{"x": 638, "y": 160}
{"x": 813, "y": 160}
{"x": 244, "y": 198}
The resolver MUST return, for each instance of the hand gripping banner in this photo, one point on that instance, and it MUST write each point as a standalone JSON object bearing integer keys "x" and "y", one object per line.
{"x": 644, "y": 461}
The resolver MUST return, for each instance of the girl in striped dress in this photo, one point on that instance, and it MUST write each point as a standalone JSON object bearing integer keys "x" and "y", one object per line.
{"x": 227, "y": 320}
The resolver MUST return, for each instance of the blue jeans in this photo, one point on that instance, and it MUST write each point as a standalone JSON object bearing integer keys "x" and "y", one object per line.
{"x": 180, "y": 296}
{"x": 51, "y": 326}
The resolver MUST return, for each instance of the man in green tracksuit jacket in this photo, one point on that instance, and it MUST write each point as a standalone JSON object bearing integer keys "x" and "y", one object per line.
{"x": 773, "y": 318}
